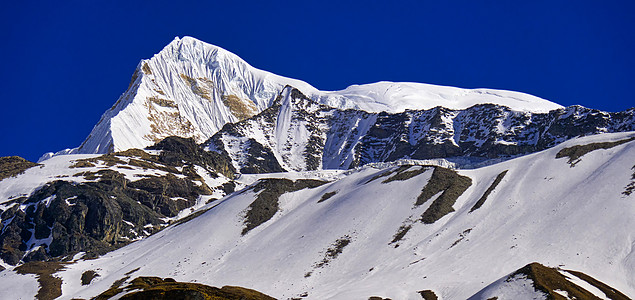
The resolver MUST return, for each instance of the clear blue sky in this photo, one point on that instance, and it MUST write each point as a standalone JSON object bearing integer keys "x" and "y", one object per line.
{"x": 66, "y": 62}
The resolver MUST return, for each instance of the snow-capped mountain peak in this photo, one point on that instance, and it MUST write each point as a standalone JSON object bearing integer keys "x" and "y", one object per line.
{"x": 400, "y": 190}
{"x": 191, "y": 89}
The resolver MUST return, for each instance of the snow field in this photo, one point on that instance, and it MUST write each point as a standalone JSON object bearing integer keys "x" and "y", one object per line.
{"x": 535, "y": 214}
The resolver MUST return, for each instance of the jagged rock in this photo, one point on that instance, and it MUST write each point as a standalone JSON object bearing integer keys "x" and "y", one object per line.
{"x": 94, "y": 216}
{"x": 108, "y": 210}
{"x": 299, "y": 134}
{"x": 177, "y": 151}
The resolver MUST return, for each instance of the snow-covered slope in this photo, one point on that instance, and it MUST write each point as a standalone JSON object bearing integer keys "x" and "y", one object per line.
{"x": 395, "y": 231}
{"x": 535, "y": 281}
{"x": 95, "y": 203}
{"x": 372, "y": 196}
{"x": 191, "y": 89}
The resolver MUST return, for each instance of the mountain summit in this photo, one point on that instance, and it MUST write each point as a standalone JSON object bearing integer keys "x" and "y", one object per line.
{"x": 191, "y": 89}
{"x": 209, "y": 172}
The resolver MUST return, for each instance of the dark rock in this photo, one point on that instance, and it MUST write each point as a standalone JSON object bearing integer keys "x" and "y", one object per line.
{"x": 480, "y": 132}
{"x": 229, "y": 187}
{"x": 260, "y": 159}
{"x": 93, "y": 220}
{"x": 177, "y": 151}
{"x": 88, "y": 276}
{"x": 428, "y": 295}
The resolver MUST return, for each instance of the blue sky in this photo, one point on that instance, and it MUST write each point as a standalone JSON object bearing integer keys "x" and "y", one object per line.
{"x": 66, "y": 62}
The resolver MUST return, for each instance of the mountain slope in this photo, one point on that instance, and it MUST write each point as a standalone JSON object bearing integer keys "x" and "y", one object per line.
{"x": 345, "y": 239}
{"x": 535, "y": 281}
{"x": 222, "y": 174}
{"x": 94, "y": 204}
{"x": 297, "y": 134}
{"x": 191, "y": 89}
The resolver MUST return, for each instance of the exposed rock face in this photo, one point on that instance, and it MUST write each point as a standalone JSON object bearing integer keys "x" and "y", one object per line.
{"x": 109, "y": 210}
{"x": 177, "y": 151}
{"x": 304, "y": 135}
{"x": 93, "y": 217}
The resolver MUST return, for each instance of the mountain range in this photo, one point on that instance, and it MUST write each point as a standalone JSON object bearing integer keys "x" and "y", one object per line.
{"x": 209, "y": 172}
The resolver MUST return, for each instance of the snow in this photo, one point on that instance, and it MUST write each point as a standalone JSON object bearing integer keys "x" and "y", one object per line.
{"x": 585, "y": 285}
{"x": 54, "y": 168}
{"x": 534, "y": 215}
{"x": 544, "y": 210}
{"x": 195, "y": 78}
{"x": 16, "y": 286}
{"x": 511, "y": 288}
{"x": 399, "y": 96}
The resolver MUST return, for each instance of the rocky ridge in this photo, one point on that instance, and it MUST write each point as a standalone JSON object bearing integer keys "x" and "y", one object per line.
{"x": 298, "y": 134}
{"x": 111, "y": 200}
{"x": 192, "y": 89}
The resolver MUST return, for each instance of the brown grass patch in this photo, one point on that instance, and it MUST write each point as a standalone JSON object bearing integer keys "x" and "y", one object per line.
{"x": 548, "y": 280}
{"x": 401, "y": 233}
{"x": 168, "y": 288}
{"x": 241, "y": 109}
{"x": 50, "y": 286}
{"x": 334, "y": 251}
{"x": 14, "y": 165}
{"x": 146, "y": 69}
{"x": 576, "y": 152}
{"x": 327, "y": 196}
{"x": 628, "y": 190}
{"x": 266, "y": 204}
{"x": 450, "y": 184}
{"x": 82, "y": 163}
{"x": 489, "y": 190}
{"x": 403, "y": 174}
{"x": 386, "y": 174}
{"x": 114, "y": 289}
{"x": 610, "y": 292}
